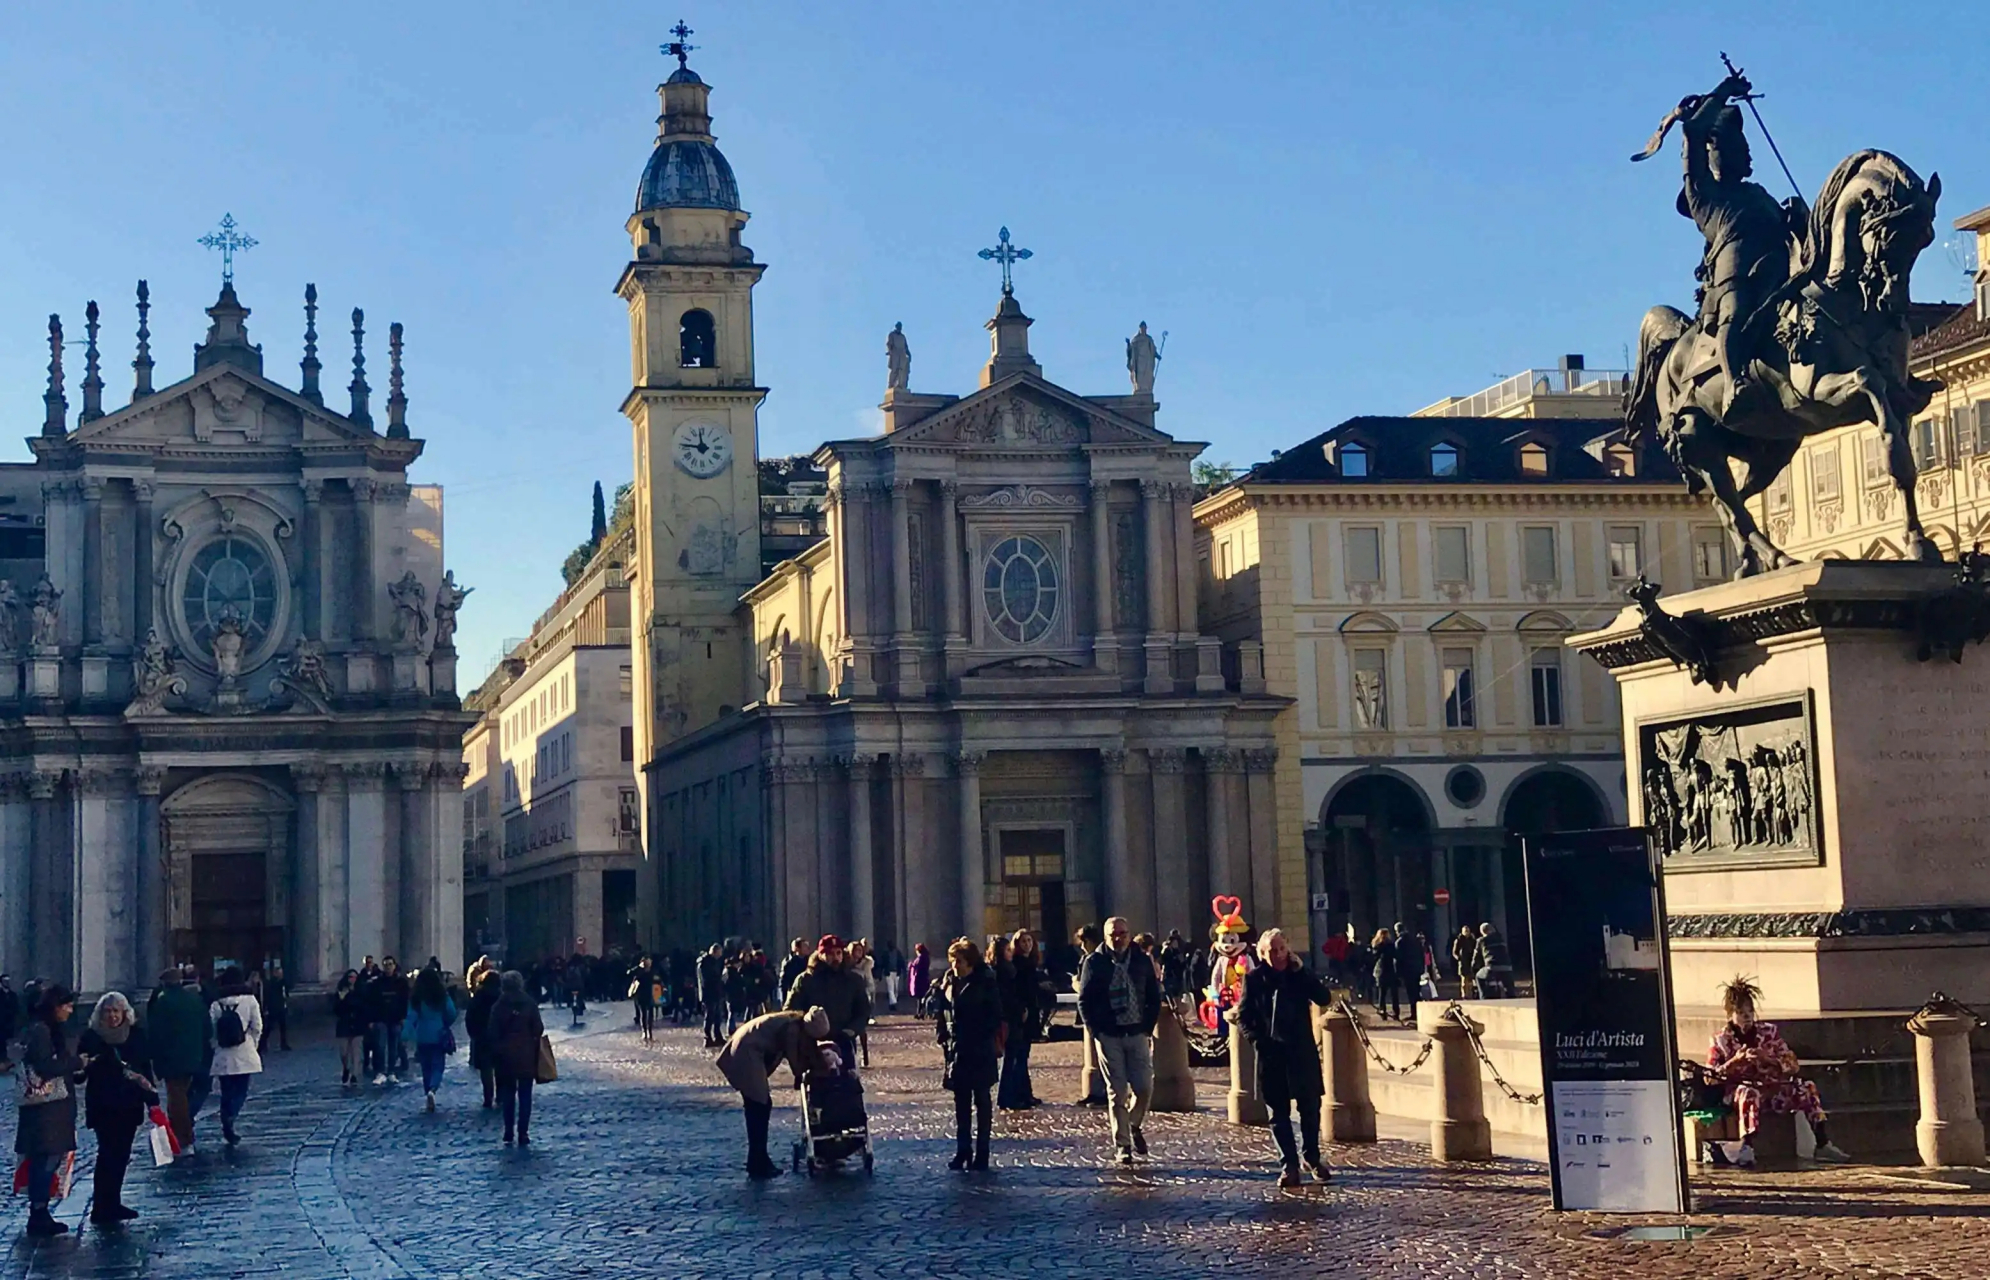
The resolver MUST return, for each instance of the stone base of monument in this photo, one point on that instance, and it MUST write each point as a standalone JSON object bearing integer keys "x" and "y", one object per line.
{"x": 1823, "y": 802}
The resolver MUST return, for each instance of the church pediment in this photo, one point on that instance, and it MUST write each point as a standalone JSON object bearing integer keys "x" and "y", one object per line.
{"x": 1025, "y": 412}
{"x": 223, "y": 405}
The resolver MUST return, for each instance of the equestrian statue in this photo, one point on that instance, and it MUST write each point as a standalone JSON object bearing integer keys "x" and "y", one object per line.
{"x": 1802, "y": 323}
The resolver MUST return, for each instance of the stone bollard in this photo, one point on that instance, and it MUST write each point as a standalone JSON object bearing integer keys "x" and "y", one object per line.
{"x": 1458, "y": 1126}
{"x": 1245, "y": 1105}
{"x": 1344, "y": 1068}
{"x": 1949, "y": 1131}
{"x": 1174, "y": 1083}
{"x": 1091, "y": 1084}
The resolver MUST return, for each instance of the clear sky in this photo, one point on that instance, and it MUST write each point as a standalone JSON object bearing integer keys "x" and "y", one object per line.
{"x": 1331, "y": 208}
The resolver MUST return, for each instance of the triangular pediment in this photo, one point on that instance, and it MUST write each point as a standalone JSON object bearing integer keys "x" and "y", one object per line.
{"x": 222, "y": 405}
{"x": 1456, "y": 622}
{"x": 1023, "y": 411}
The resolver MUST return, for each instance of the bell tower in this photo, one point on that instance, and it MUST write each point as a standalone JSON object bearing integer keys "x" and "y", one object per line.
{"x": 694, "y": 406}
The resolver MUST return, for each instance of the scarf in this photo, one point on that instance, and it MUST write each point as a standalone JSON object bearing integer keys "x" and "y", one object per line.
{"x": 1124, "y": 992}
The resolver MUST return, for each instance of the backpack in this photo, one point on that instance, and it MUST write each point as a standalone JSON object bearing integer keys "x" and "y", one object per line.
{"x": 229, "y": 1032}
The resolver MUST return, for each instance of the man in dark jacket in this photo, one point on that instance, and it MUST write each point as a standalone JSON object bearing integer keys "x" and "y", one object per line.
{"x": 180, "y": 1037}
{"x": 275, "y": 999}
{"x": 837, "y": 991}
{"x": 712, "y": 994}
{"x": 1120, "y": 998}
{"x": 1276, "y": 1014}
{"x": 1411, "y": 953}
{"x": 389, "y": 1009}
{"x": 792, "y": 966}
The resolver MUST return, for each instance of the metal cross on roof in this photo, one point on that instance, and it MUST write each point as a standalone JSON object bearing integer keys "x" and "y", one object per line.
{"x": 1006, "y": 254}
{"x": 229, "y": 243}
{"x": 680, "y": 48}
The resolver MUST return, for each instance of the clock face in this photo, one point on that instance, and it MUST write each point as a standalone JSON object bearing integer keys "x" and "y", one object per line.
{"x": 702, "y": 449}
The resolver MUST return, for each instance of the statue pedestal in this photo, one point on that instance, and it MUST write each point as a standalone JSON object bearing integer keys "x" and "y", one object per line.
{"x": 407, "y": 673}
{"x": 44, "y": 674}
{"x": 442, "y": 669}
{"x": 96, "y": 675}
{"x": 10, "y": 677}
{"x": 1825, "y": 809}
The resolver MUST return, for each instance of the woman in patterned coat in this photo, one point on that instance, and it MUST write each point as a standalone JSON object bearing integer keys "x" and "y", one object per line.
{"x": 1758, "y": 1072}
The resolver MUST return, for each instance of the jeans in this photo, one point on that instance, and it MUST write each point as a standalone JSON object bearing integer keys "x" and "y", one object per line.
{"x": 113, "y": 1158}
{"x": 1309, "y": 1130}
{"x": 891, "y": 989}
{"x": 198, "y": 1087}
{"x": 234, "y": 1092}
{"x": 1127, "y": 1062}
{"x": 489, "y": 1077}
{"x": 715, "y": 1020}
{"x": 432, "y": 1060}
{"x": 41, "y": 1172}
{"x": 353, "y": 1055}
{"x": 515, "y": 1096}
{"x": 975, "y": 1100}
{"x": 1015, "y": 1093}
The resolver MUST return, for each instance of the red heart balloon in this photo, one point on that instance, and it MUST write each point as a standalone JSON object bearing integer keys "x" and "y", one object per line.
{"x": 1224, "y": 905}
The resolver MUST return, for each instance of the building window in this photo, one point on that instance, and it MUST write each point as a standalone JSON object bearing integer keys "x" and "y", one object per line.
{"x": 230, "y": 583}
{"x": 628, "y": 743}
{"x": 1537, "y": 554}
{"x": 1873, "y": 451}
{"x": 1354, "y": 461}
{"x": 1979, "y": 431}
{"x": 1546, "y": 667}
{"x": 1364, "y": 553}
{"x": 1444, "y": 460}
{"x": 1019, "y": 586}
{"x": 1626, "y": 552}
{"x": 1710, "y": 555}
{"x": 1928, "y": 444}
{"x": 1824, "y": 479}
{"x": 1533, "y": 460}
{"x": 628, "y": 812}
{"x": 1371, "y": 694}
{"x": 1453, "y": 543}
{"x": 697, "y": 340}
{"x": 628, "y": 680}
{"x": 1459, "y": 713}
{"x": 1621, "y": 461}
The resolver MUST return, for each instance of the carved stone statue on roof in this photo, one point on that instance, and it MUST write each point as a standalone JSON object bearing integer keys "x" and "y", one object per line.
{"x": 410, "y": 610}
{"x": 46, "y": 611}
{"x": 1142, "y": 357}
{"x": 897, "y": 359}
{"x": 10, "y": 611}
{"x": 448, "y": 599}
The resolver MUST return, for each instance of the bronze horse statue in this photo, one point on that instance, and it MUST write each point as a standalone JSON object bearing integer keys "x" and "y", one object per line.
{"x": 1821, "y": 342}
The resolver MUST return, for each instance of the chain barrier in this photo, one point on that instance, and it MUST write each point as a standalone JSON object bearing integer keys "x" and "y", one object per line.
{"x": 1457, "y": 1013}
{"x": 1361, "y": 1034}
{"x": 1947, "y": 1005}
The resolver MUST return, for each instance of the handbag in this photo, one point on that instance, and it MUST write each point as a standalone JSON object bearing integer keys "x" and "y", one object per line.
{"x": 448, "y": 1041}
{"x": 162, "y": 1145}
{"x": 548, "y": 1070}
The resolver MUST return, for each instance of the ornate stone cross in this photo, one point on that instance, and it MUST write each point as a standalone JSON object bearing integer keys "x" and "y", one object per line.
{"x": 1006, "y": 254}
{"x": 229, "y": 243}
{"x": 680, "y": 48}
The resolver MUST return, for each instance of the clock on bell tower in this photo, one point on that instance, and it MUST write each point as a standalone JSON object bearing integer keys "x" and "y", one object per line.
{"x": 694, "y": 406}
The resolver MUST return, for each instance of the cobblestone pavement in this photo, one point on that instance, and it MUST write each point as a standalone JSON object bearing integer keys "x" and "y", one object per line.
{"x": 635, "y": 1171}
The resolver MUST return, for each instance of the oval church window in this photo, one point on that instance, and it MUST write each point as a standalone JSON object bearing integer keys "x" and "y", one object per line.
{"x": 1019, "y": 586}
{"x": 230, "y": 574}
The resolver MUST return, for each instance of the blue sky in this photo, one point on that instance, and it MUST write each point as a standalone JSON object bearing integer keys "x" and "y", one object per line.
{"x": 1331, "y": 208}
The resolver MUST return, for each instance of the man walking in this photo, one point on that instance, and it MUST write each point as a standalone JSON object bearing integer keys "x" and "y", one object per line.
{"x": 389, "y": 1009}
{"x": 792, "y": 966}
{"x": 275, "y": 1000}
{"x": 176, "y": 1029}
{"x": 712, "y": 994}
{"x": 1120, "y": 998}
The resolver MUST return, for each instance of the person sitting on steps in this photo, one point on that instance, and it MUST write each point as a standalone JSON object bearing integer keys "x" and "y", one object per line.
{"x": 1758, "y": 1072}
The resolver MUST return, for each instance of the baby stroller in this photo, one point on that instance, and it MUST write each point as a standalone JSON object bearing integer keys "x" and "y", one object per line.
{"x": 834, "y": 1127}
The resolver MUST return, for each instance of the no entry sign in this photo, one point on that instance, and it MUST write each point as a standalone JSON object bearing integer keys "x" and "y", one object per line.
{"x": 1442, "y": 897}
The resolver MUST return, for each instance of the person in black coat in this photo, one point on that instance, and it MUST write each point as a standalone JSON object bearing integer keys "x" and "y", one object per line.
{"x": 970, "y": 1033}
{"x": 118, "y": 1090}
{"x": 1388, "y": 991}
{"x": 477, "y": 1025}
{"x": 1412, "y": 961}
{"x": 1022, "y": 1010}
{"x": 1276, "y": 1015}
{"x": 47, "y": 1117}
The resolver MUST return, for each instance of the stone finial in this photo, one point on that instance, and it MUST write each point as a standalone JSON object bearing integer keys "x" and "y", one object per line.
{"x": 310, "y": 364}
{"x": 397, "y": 400}
{"x": 141, "y": 367}
{"x": 360, "y": 391}
{"x": 93, "y": 376}
{"x": 55, "y": 423}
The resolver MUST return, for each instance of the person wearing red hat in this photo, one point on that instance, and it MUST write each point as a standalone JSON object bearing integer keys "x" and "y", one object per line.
{"x": 828, "y": 983}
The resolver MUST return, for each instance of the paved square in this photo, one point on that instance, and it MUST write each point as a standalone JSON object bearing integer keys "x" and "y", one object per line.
{"x": 635, "y": 1170}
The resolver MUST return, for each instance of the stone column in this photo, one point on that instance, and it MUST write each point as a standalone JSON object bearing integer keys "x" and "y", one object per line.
{"x": 142, "y": 586}
{"x": 1183, "y": 496}
{"x": 1160, "y": 643}
{"x": 1174, "y": 1082}
{"x": 51, "y": 894}
{"x": 335, "y": 932}
{"x": 16, "y": 833}
{"x": 927, "y": 890}
{"x": 1350, "y": 1115}
{"x": 369, "y": 842}
{"x": 408, "y": 890}
{"x": 362, "y": 585}
{"x": 973, "y": 861}
{"x": 93, "y": 561}
{"x": 857, "y": 601}
{"x": 312, "y": 575}
{"x": 904, "y": 658}
{"x": 1261, "y": 821}
{"x": 1949, "y": 1131}
{"x": 305, "y": 912}
{"x": 1226, "y": 873}
{"x": 1122, "y": 897}
{"x": 1172, "y": 907}
{"x": 953, "y": 631}
{"x": 1105, "y": 651}
{"x": 1244, "y": 1105}
{"x": 445, "y": 836}
{"x": 149, "y": 924}
{"x": 863, "y": 853}
{"x": 1458, "y": 1126}
{"x": 102, "y": 880}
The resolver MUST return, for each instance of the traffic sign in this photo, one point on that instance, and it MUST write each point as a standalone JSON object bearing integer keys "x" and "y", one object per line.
{"x": 1442, "y": 897}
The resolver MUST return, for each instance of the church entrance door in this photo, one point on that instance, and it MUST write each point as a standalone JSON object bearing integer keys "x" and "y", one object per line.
{"x": 228, "y": 840}
{"x": 1033, "y": 880}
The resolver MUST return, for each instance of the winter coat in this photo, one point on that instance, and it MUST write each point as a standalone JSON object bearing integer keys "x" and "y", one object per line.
{"x": 350, "y": 1013}
{"x": 1022, "y": 1002}
{"x": 1276, "y": 1015}
{"x": 751, "y": 1056}
{"x": 112, "y": 1099}
{"x": 917, "y": 975}
{"x": 242, "y": 1059}
{"x": 47, "y": 1128}
{"x": 477, "y": 1023}
{"x": 390, "y": 999}
{"x": 1095, "y": 993}
{"x": 791, "y": 971}
{"x": 428, "y": 1025}
{"x": 1385, "y": 970}
{"x": 1491, "y": 958}
{"x": 843, "y": 995}
{"x": 514, "y": 1033}
{"x": 1410, "y": 958}
{"x": 644, "y": 981}
{"x": 970, "y": 1025}
{"x": 177, "y": 1028}
{"x": 711, "y": 980}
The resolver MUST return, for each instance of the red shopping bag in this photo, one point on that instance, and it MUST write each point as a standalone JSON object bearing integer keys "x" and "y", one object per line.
{"x": 58, "y": 1184}
{"x": 157, "y": 1117}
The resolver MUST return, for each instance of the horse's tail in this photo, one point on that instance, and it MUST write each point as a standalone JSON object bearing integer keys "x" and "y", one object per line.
{"x": 1661, "y": 327}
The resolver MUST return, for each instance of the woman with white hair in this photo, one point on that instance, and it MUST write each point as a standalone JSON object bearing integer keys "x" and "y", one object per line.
{"x": 1276, "y": 1014}
{"x": 749, "y": 1060}
{"x": 116, "y": 1092}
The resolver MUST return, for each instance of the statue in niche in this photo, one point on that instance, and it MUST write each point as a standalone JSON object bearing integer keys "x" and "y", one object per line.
{"x": 46, "y": 611}
{"x": 1370, "y": 712}
{"x": 154, "y": 676}
{"x": 897, "y": 359}
{"x": 228, "y": 643}
{"x": 448, "y": 599}
{"x": 1142, "y": 356}
{"x": 410, "y": 610}
{"x": 10, "y": 612}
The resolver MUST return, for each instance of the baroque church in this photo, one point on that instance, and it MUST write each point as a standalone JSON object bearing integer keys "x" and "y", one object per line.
{"x": 228, "y": 721}
{"x": 984, "y": 700}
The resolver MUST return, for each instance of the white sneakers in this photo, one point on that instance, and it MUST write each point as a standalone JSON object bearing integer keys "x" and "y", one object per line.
{"x": 380, "y": 1079}
{"x": 1830, "y": 1153}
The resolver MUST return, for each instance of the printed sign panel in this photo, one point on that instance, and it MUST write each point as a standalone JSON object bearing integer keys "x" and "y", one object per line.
{"x": 1596, "y": 909}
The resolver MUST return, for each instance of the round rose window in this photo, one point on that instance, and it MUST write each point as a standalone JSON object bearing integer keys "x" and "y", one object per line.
{"x": 230, "y": 575}
{"x": 1020, "y": 588}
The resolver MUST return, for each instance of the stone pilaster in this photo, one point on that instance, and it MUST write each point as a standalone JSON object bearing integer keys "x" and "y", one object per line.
{"x": 973, "y": 859}
{"x": 91, "y": 589}
{"x": 411, "y": 879}
{"x": 904, "y": 639}
{"x": 1227, "y": 872}
{"x": 863, "y": 851}
{"x": 1128, "y": 892}
{"x": 854, "y": 514}
{"x": 365, "y": 855}
{"x": 1261, "y": 825}
{"x": 1173, "y": 909}
{"x": 309, "y": 541}
{"x": 1105, "y": 651}
{"x": 1156, "y": 534}
{"x": 142, "y": 587}
{"x": 925, "y": 898}
{"x": 16, "y": 833}
{"x": 362, "y": 583}
{"x": 51, "y": 889}
{"x": 953, "y": 630}
{"x": 149, "y": 905}
{"x": 1182, "y": 496}
{"x": 306, "y": 945}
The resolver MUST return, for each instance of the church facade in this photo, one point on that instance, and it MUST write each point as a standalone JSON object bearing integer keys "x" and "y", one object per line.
{"x": 984, "y": 699}
{"x": 228, "y": 722}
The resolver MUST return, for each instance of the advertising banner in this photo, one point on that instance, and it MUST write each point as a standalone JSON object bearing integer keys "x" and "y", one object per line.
{"x": 1596, "y": 907}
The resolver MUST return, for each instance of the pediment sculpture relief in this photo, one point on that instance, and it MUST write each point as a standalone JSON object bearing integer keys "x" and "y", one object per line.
{"x": 1014, "y": 420}
{"x": 230, "y": 407}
